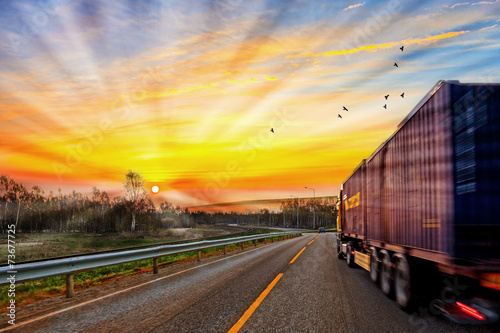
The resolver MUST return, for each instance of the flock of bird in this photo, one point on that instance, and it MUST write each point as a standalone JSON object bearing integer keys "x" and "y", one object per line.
{"x": 386, "y": 96}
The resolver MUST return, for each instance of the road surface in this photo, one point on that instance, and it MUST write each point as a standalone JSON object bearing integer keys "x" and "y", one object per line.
{"x": 256, "y": 290}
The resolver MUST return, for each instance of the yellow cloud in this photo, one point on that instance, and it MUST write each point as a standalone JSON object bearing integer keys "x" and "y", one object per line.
{"x": 375, "y": 47}
{"x": 354, "y": 6}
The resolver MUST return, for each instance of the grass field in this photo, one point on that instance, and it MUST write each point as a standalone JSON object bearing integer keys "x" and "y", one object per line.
{"x": 49, "y": 245}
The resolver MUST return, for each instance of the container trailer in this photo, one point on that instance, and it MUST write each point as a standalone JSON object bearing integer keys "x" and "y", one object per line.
{"x": 423, "y": 211}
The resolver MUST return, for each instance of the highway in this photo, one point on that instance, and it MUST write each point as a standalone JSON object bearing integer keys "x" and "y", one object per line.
{"x": 268, "y": 288}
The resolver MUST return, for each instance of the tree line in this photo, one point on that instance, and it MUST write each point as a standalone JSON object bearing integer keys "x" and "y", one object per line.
{"x": 308, "y": 212}
{"x": 33, "y": 210}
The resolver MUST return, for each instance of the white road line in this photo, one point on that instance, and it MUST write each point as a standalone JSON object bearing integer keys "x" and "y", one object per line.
{"x": 122, "y": 291}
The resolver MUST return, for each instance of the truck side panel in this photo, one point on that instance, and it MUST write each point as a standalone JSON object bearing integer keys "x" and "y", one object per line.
{"x": 434, "y": 185}
{"x": 409, "y": 180}
{"x": 373, "y": 199}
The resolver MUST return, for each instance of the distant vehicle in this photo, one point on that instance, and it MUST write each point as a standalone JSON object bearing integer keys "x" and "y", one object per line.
{"x": 321, "y": 229}
{"x": 423, "y": 210}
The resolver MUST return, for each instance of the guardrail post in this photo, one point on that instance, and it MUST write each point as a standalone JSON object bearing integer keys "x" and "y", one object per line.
{"x": 255, "y": 242}
{"x": 272, "y": 239}
{"x": 198, "y": 255}
{"x": 70, "y": 291}
{"x": 225, "y": 249}
{"x": 155, "y": 265}
{"x": 242, "y": 247}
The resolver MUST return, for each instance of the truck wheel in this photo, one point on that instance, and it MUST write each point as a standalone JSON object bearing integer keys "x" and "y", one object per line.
{"x": 402, "y": 282}
{"x": 349, "y": 256}
{"x": 386, "y": 273}
{"x": 340, "y": 255}
{"x": 373, "y": 264}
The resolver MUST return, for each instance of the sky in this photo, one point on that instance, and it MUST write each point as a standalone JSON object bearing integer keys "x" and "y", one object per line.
{"x": 186, "y": 92}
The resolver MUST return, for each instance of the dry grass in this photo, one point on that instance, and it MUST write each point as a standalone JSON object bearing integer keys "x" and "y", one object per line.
{"x": 49, "y": 245}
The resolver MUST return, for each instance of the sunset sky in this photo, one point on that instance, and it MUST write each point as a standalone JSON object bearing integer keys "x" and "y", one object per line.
{"x": 186, "y": 92}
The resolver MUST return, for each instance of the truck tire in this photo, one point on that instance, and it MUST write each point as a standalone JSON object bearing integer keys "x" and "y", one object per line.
{"x": 340, "y": 255}
{"x": 374, "y": 264}
{"x": 349, "y": 256}
{"x": 386, "y": 273}
{"x": 402, "y": 282}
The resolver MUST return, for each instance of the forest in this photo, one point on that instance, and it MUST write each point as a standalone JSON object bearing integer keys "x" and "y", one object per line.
{"x": 34, "y": 210}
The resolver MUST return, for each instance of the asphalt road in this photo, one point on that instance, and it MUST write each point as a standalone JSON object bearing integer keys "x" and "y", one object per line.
{"x": 315, "y": 293}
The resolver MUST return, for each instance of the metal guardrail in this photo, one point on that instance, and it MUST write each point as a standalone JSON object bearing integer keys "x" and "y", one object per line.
{"x": 69, "y": 266}
{"x": 133, "y": 247}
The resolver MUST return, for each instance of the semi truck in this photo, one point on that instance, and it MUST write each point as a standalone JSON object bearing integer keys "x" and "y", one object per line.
{"x": 422, "y": 213}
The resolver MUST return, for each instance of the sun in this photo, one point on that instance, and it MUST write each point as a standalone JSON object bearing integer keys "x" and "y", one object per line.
{"x": 155, "y": 189}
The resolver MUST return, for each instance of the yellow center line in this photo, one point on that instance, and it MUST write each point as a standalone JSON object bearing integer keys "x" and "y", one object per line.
{"x": 236, "y": 327}
{"x": 298, "y": 254}
{"x": 311, "y": 241}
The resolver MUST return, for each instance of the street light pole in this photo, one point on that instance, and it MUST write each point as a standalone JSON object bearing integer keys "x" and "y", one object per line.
{"x": 314, "y": 210}
{"x": 283, "y": 218}
{"x": 297, "y": 210}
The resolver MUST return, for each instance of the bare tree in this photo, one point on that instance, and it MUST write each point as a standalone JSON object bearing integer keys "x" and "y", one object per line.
{"x": 134, "y": 185}
{"x": 5, "y": 185}
{"x": 37, "y": 200}
{"x": 11, "y": 192}
{"x": 21, "y": 193}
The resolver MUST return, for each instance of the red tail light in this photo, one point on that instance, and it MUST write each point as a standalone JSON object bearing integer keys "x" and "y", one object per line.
{"x": 471, "y": 311}
{"x": 352, "y": 252}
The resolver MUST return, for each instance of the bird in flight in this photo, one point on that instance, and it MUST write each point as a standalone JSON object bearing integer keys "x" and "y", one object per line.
{"x": 401, "y": 48}
{"x": 403, "y": 95}
{"x": 396, "y": 65}
{"x": 386, "y": 96}
{"x": 272, "y": 130}
{"x": 344, "y": 108}
{"x": 385, "y": 106}
{"x": 340, "y": 116}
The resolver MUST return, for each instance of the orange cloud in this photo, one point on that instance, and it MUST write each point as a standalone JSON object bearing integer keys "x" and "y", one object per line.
{"x": 354, "y": 6}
